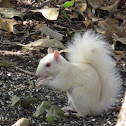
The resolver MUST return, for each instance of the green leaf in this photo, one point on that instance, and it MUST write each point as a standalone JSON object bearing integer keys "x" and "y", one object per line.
{"x": 7, "y": 63}
{"x": 15, "y": 99}
{"x": 27, "y": 101}
{"x": 45, "y": 105}
{"x": 54, "y": 113}
{"x": 64, "y": 13}
{"x": 68, "y": 4}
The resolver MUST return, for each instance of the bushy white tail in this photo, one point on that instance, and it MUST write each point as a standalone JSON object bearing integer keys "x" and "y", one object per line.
{"x": 91, "y": 48}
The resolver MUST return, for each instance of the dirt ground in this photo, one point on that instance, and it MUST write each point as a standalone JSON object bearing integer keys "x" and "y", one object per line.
{"x": 14, "y": 79}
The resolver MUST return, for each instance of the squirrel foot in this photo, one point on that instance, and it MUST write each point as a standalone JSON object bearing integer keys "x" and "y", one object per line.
{"x": 68, "y": 108}
{"x": 77, "y": 114}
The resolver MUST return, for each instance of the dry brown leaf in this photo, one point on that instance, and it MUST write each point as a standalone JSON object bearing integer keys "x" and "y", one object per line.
{"x": 22, "y": 122}
{"x": 95, "y": 3}
{"x": 43, "y": 43}
{"x": 26, "y": 2}
{"x": 81, "y": 7}
{"x": 118, "y": 55}
{"x": 87, "y": 22}
{"x": 123, "y": 25}
{"x": 8, "y": 24}
{"x": 49, "y": 13}
{"x": 49, "y": 32}
{"x": 6, "y": 3}
{"x": 63, "y": 51}
{"x": 120, "y": 39}
{"x": 111, "y": 26}
{"x": 10, "y": 13}
{"x": 112, "y": 7}
{"x": 123, "y": 1}
{"x": 112, "y": 29}
{"x": 73, "y": 15}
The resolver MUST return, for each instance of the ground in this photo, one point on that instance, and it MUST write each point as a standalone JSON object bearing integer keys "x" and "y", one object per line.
{"x": 15, "y": 81}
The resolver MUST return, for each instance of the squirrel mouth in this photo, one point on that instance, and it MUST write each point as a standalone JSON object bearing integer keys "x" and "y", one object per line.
{"x": 41, "y": 81}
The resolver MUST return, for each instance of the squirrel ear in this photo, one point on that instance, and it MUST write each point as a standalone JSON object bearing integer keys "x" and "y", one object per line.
{"x": 56, "y": 55}
{"x": 50, "y": 50}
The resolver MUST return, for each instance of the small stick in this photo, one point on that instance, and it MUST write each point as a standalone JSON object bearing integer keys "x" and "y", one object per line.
{"x": 25, "y": 71}
{"x": 43, "y": 4}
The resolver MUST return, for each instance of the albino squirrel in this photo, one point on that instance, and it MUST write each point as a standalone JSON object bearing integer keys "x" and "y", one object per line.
{"x": 89, "y": 77}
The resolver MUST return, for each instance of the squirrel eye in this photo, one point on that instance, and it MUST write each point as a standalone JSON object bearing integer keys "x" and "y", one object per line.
{"x": 48, "y": 64}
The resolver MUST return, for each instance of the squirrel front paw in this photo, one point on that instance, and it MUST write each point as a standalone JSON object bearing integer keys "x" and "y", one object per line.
{"x": 41, "y": 82}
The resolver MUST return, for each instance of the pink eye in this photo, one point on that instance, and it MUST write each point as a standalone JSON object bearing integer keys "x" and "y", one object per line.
{"x": 48, "y": 64}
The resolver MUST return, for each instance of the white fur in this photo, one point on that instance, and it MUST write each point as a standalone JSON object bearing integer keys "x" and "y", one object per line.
{"x": 92, "y": 49}
{"x": 90, "y": 78}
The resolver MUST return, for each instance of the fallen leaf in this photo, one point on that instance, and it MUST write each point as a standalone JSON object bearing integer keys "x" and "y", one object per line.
{"x": 45, "y": 105}
{"x": 54, "y": 113}
{"x": 123, "y": 25}
{"x": 49, "y": 32}
{"x": 120, "y": 39}
{"x": 118, "y": 55}
{"x": 22, "y": 122}
{"x": 112, "y": 7}
{"x": 110, "y": 26}
{"x": 27, "y": 101}
{"x": 8, "y": 25}
{"x": 87, "y": 22}
{"x": 43, "y": 43}
{"x": 68, "y": 4}
{"x": 95, "y": 3}
{"x": 7, "y": 63}
{"x": 123, "y": 1}
{"x": 6, "y": 3}
{"x": 26, "y": 2}
{"x": 81, "y": 7}
{"x": 73, "y": 15}
{"x": 4, "y": 63}
{"x": 49, "y": 13}
{"x": 10, "y": 13}
{"x": 15, "y": 99}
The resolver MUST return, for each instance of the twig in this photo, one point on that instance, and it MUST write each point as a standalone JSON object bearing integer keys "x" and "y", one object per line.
{"x": 5, "y": 62}
{"x": 5, "y": 52}
{"x": 25, "y": 71}
{"x": 43, "y": 4}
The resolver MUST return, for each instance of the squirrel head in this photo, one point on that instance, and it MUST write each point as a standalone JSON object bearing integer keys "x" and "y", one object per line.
{"x": 51, "y": 64}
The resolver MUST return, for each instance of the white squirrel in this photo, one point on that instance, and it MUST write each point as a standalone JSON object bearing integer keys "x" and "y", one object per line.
{"x": 89, "y": 77}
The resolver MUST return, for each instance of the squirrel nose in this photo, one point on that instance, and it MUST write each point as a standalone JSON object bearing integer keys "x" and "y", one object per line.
{"x": 37, "y": 75}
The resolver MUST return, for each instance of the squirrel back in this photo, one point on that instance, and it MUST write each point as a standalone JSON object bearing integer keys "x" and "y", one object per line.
{"x": 91, "y": 48}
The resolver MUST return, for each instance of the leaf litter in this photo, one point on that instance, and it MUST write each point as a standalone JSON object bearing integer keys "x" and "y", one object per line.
{"x": 18, "y": 79}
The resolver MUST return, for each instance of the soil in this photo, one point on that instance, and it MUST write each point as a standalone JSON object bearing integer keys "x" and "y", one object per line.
{"x": 14, "y": 81}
